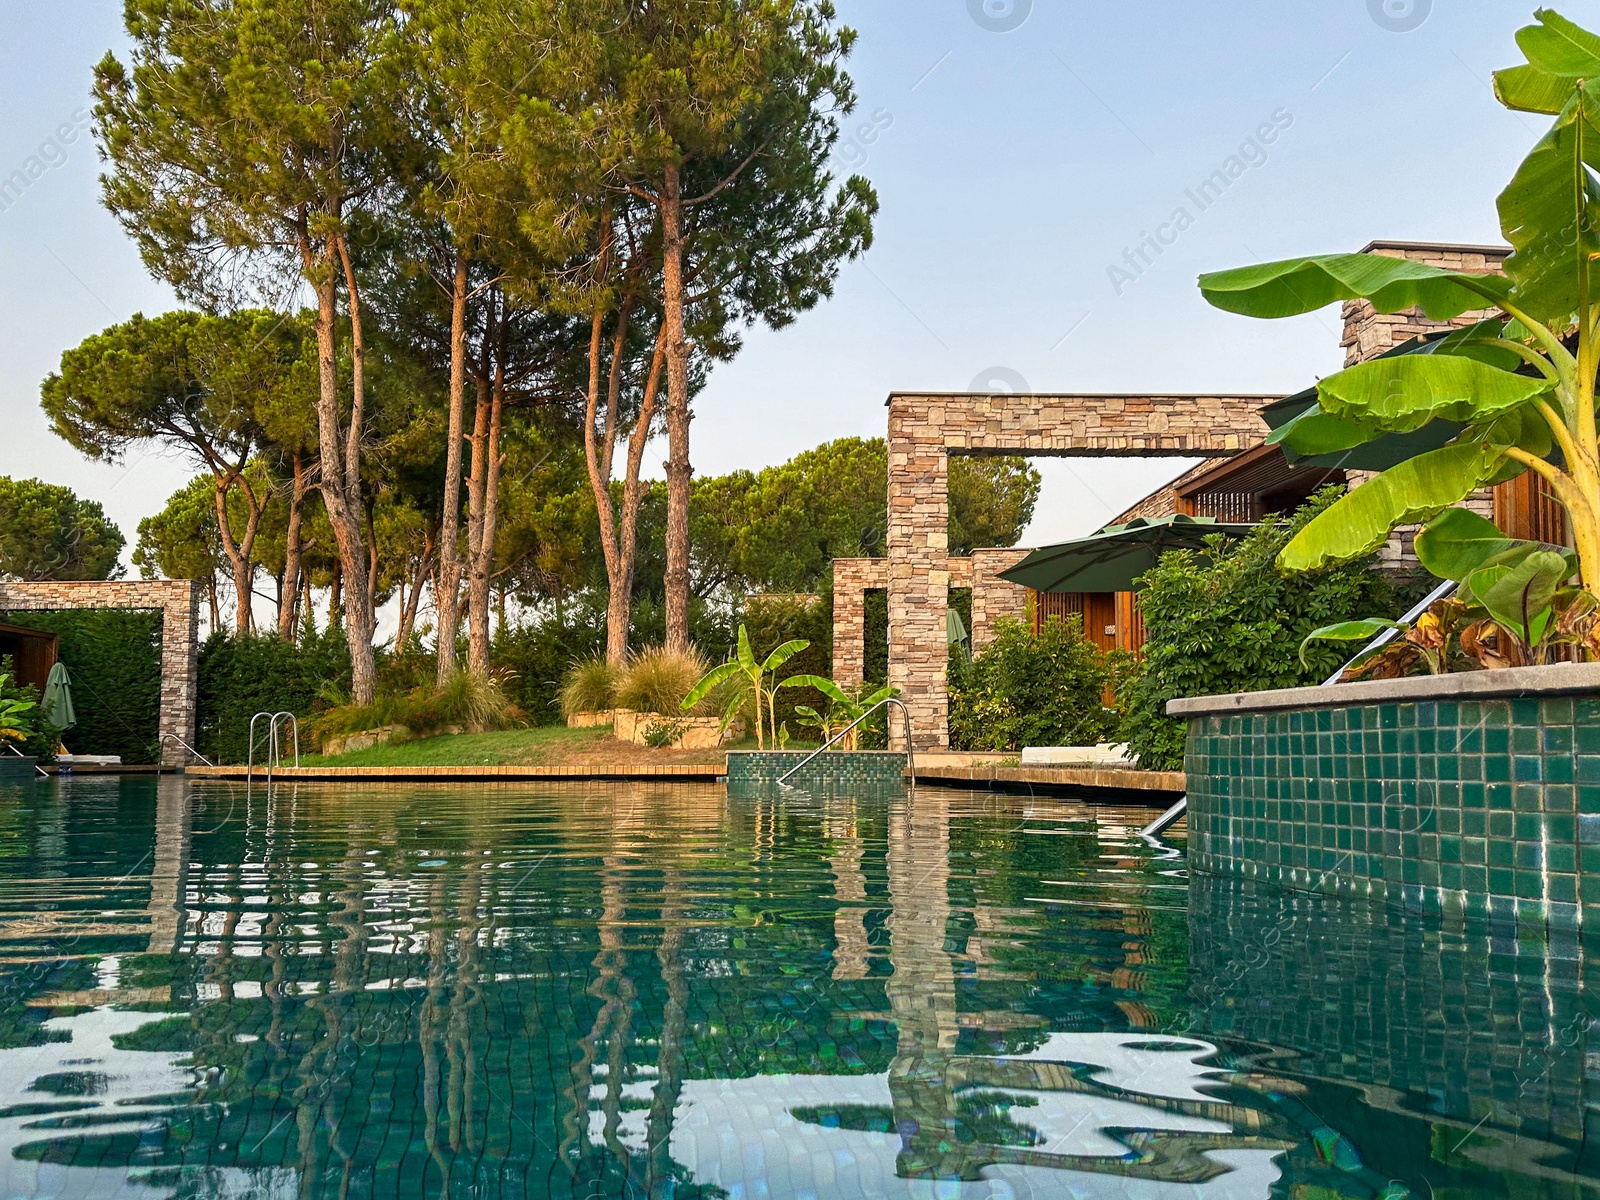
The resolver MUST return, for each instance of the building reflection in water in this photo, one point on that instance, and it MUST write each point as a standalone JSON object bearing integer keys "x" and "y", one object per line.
{"x": 654, "y": 992}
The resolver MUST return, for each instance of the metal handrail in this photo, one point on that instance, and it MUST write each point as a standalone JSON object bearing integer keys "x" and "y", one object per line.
{"x": 905, "y": 714}
{"x": 1388, "y": 635}
{"x": 172, "y": 737}
{"x": 274, "y": 750}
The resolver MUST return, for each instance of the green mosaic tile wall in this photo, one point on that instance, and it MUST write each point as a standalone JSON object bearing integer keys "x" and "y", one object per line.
{"x": 1483, "y": 807}
{"x": 880, "y": 772}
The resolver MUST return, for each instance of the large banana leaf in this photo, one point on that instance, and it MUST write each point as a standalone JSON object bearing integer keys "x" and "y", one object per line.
{"x": 1559, "y": 47}
{"x": 1301, "y": 285}
{"x": 1398, "y": 395}
{"x": 1415, "y": 490}
{"x": 1316, "y": 432}
{"x": 1549, "y": 210}
{"x": 1458, "y": 541}
{"x": 1520, "y": 596}
{"x": 783, "y": 653}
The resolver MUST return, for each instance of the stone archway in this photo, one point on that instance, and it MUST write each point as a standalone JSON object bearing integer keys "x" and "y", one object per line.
{"x": 992, "y": 599}
{"x": 179, "y": 603}
{"x": 925, "y": 429}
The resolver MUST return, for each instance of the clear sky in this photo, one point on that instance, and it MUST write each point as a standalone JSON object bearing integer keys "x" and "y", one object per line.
{"x": 1018, "y": 148}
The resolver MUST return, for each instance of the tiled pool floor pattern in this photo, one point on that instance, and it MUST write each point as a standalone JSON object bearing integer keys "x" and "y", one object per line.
{"x": 662, "y": 991}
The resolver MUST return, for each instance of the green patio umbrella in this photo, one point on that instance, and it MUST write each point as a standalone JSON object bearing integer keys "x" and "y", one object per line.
{"x": 1112, "y": 559}
{"x": 57, "y": 703}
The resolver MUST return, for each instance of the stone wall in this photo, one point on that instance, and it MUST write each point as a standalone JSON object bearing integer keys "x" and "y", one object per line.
{"x": 992, "y": 599}
{"x": 179, "y": 603}
{"x": 925, "y": 429}
{"x": 1368, "y": 334}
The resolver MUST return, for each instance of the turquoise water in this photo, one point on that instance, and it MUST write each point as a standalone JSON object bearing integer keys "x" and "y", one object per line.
{"x": 662, "y": 992}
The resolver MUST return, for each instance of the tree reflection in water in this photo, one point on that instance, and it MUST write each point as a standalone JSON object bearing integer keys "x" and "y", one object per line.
{"x": 653, "y": 992}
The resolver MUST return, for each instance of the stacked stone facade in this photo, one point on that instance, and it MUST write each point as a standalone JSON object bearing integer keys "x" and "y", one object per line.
{"x": 925, "y": 429}
{"x": 992, "y": 599}
{"x": 178, "y": 601}
{"x": 1368, "y": 333}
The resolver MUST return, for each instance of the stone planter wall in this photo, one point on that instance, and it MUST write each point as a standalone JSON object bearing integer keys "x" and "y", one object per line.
{"x": 1476, "y": 793}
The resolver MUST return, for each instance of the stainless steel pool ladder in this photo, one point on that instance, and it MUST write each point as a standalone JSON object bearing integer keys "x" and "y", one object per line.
{"x": 274, "y": 748}
{"x": 905, "y": 716}
{"x": 172, "y": 737}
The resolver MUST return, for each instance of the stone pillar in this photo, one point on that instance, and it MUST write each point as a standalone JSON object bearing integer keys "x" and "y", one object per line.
{"x": 180, "y": 669}
{"x": 919, "y": 572}
{"x": 993, "y": 597}
{"x": 852, "y": 578}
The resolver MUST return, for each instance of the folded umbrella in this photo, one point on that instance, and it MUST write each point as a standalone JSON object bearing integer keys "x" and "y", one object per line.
{"x": 56, "y": 706}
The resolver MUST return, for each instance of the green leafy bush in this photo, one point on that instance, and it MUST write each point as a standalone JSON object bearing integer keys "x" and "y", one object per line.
{"x": 1024, "y": 690}
{"x": 536, "y": 658}
{"x": 240, "y": 677}
{"x": 1225, "y": 619}
{"x": 466, "y": 703}
{"x": 114, "y": 657}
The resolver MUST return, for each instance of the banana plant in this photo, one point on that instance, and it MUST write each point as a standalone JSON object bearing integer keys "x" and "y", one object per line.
{"x": 1521, "y": 386}
{"x": 843, "y": 708}
{"x": 16, "y": 722}
{"x": 1512, "y": 610}
{"x": 751, "y": 677}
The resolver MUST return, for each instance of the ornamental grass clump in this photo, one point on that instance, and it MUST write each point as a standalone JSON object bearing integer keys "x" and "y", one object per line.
{"x": 658, "y": 679}
{"x": 590, "y": 686}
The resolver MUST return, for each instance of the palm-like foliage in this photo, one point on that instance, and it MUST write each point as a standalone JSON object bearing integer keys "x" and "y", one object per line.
{"x": 750, "y": 678}
{"x": 1522, "y": 386}
{"x": 844, "y": 709}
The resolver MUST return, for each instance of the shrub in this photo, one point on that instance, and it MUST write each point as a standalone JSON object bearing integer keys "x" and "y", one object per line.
{"x": 590, "y": 686}
{"x": 1027, "y": 690}
{"x": 241, "y": 676}
{"x": 658, "y": 679}
{"x": 537, "y": 657}
{"x": 1227, "y": 620}
{"x": 472, "y": 703}
{"x": 114, "y": 657}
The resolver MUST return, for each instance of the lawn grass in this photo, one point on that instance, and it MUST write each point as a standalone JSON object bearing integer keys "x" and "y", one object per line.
{"x": 543, "y": 746}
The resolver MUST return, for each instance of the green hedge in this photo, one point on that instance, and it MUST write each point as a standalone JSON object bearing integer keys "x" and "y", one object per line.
{"x": 240, "y": 677}
{"x": 114, "y": 657}
{"x": 1027, "y": 690}
{"x": 1227, "y": 620}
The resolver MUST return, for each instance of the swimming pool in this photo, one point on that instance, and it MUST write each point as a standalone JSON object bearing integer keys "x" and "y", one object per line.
{"x": 653, "y": 991}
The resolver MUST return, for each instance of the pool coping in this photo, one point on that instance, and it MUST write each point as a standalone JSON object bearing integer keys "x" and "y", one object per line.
{"x": 1558, "y": 680}
{"x": 614, "y": 773}
{"x": 992, "y": 777}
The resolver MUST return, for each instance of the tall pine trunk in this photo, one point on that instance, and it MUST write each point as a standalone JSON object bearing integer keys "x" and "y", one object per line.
{"x": 288, "y": 606}
{"x": 679, "y": 472}
{"x": 341, "y": 463}
{"x": 447, "y": 591}
{"x": 487, "y": 505}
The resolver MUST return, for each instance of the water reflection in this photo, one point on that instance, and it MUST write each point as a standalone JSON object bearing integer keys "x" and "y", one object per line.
{"x": 654, "y": 992}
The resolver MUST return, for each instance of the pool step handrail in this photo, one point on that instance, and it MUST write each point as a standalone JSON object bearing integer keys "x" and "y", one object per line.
{"x": 274, "y": 759}
{"x": 172, "y": 737}
{"x": 905, "y": 716}
{"x": 1388, "y": 635}
{"x": 1160, "y": 824}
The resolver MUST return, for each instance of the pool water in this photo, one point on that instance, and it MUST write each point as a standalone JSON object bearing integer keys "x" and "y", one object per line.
{"x": 659, "y": 991}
